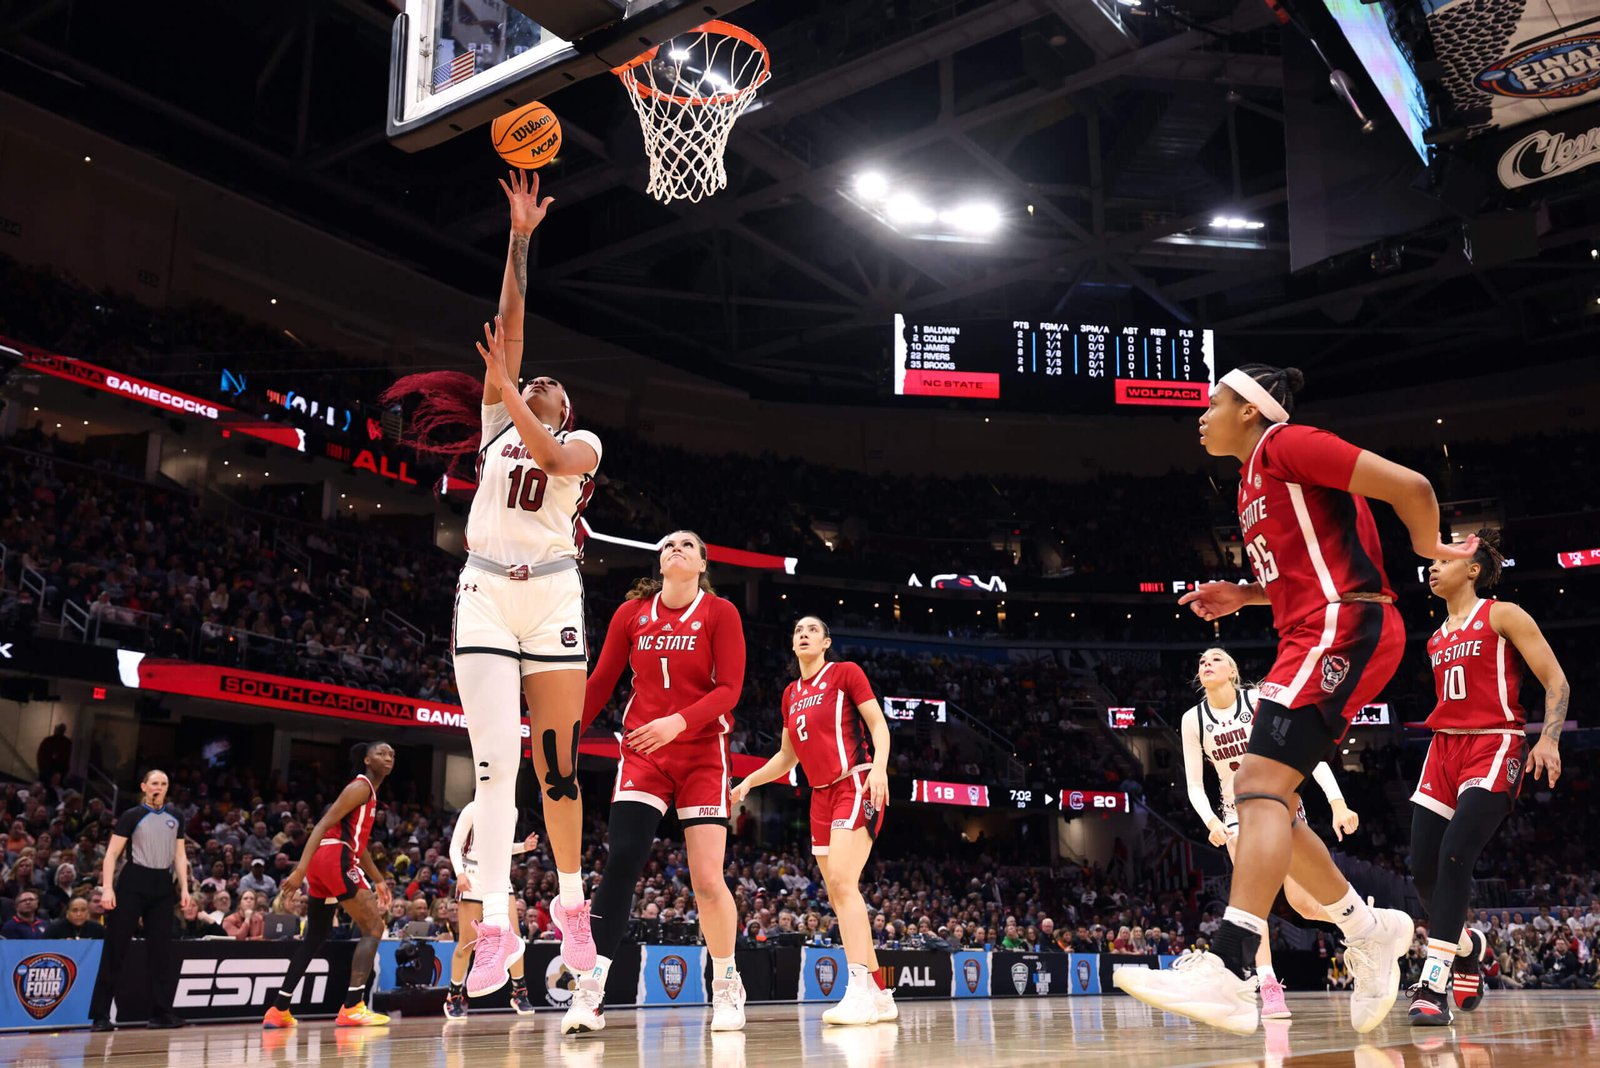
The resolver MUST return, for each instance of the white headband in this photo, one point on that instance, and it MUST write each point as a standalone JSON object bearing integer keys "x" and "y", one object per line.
{"x": 1254, "y": 392}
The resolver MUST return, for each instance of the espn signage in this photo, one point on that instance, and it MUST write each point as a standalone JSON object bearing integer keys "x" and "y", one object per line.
{"x": 968, "y": 795}
{"x": 1095, "y": 801}
{"x": 910, "y": 708}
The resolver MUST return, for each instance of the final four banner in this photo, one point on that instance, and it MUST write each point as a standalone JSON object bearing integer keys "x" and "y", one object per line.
{"x": 1083, "y": 973}
{"x": 672, "y": 975}
{"x": 1040, "y": 975}
{"x": 824, "y": 973}
{"x": 969, "y": 974}
{"x": 47, "y": 983}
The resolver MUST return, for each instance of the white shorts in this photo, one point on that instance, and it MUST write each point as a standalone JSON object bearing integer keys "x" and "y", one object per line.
{"x": 537, "y": 621}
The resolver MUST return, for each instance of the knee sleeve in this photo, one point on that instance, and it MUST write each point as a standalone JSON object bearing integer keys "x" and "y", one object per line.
{"x": 491, "y": 693}
{"x": 1479, "y": 814}
{"x": 631, "y": 833}
{"x": 1427, "y": 833}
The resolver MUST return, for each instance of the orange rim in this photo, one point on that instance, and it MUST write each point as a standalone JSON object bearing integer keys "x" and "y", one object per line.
{"x": 726, "y": 29}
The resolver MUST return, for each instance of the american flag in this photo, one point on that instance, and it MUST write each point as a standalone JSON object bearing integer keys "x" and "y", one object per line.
{"x": 458, "y": 69}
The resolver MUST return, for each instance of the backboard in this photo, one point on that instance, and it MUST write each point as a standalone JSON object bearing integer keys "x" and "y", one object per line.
{"x": 456, "y": 64}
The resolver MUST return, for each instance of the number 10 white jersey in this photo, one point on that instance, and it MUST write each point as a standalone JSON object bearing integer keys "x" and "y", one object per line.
{"x": 520, "y": 515}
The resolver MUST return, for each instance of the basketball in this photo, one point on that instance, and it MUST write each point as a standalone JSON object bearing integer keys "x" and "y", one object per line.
{"x": 528, "y": 137}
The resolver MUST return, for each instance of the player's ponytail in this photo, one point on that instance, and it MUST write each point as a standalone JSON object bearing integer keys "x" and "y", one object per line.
{"x": 1489, "y": 559}
{"x": 651, "y": 585}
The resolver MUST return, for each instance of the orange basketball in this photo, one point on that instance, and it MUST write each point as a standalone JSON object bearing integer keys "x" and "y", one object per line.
{"x": 528, "y": 137}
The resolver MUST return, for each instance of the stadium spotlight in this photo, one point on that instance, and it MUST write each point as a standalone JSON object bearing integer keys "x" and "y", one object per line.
{"x": 975, "y": 218}
{"x": 1234, "y": 222}
{"x": 906, "y": 208}
{"x": 871, "y": 185}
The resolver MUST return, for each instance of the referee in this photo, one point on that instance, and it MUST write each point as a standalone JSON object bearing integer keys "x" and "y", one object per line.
{"x": 155, "y": 879}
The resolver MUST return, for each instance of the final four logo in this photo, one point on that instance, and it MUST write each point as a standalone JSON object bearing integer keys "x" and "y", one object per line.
{"x": 969, "y": 972}
{"x": 1565, "y": 68}
{"x": 1082, "y": 971}
{"x": 673, "y": 969}
{"x": 827, "y": 972}
{"x": 43, "y": 982}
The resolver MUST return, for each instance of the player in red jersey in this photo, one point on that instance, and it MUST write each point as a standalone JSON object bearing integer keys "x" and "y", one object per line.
{"x": 1313, "y": 545}
{"x": 828, "y": 713}
{"x": 1475, "y": 763}
{"x": 339, "y": 873}
{"x": 685, "y": 646}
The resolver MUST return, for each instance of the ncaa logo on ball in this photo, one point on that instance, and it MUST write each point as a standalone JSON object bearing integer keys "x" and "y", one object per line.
{"x": 827, "y": 973}
{"x": 672, "y": 970}
{"x": 1019, "y": 977}
{"x": 43, "y": 982}
{"x": 969, "y": 972}
{"x": 1083, "y": 976}
{"x": 1565, "y": 68}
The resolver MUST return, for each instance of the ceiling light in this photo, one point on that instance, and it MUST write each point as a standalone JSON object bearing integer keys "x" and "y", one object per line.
{"x": 905, "y": 208}
{"x": 1131, "y": 3}
{"x": 974, "y": 218}
{"x": 871, "y": 185}
{"x": 274, "y": 300}
{"x": 678, "y": 54}
{"x": 1234, "y": 222}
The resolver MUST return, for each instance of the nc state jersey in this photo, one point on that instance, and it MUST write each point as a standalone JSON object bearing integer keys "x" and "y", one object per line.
{"x": 356, "y": 827}
{"x": 820, "y": 718}
{"x": 1476, "y": 675}
{"x": 686, "y": 660}
{"x": 520, "y": 515}
{"x": 1309, "y": 539}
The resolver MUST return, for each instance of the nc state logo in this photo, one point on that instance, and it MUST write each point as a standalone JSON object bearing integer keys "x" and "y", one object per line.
{"x": 672, "y": 970}
{"x": 1513, "y": 769}
{"x": 827, "y": 973}
{"x": 1334, "y": 669}
{"x": 43, "y": 982}
{"x": 969, "y": 972}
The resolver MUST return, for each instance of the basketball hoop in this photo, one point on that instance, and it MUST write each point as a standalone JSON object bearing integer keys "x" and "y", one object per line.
{"x": 688, "y": 94}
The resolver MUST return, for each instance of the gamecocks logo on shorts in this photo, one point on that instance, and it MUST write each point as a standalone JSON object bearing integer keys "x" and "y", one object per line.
{"x": 969, "y": 972}
{"x": 673, "y": 969}
{"x": 1513, "y": 769}
{"x": 569, "y": 637}
{"x": 43, "y": 982}
{"x": 1334, "y": 669}
{"x": 827, "y": 972}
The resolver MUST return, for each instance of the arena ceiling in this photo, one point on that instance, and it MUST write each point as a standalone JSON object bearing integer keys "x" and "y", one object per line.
{"x": 1107, "y": 133}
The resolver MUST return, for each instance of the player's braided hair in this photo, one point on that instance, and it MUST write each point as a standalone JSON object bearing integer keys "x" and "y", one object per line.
{"x": 651, "y": 585}
{"x": 446, "y": 418}
{"x": 1282, "y": 382}
{"x": 1489, "y": 559}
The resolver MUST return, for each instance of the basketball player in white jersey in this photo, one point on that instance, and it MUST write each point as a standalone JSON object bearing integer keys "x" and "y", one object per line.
{"x": 519, "y": 627}
{"x": 1217, "y": 729}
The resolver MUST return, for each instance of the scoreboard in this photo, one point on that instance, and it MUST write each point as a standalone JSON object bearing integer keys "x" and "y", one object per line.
{"x": 1054, "y": 366}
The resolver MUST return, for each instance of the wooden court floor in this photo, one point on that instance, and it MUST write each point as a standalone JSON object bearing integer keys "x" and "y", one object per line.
{"x": 1511, "y": 1030}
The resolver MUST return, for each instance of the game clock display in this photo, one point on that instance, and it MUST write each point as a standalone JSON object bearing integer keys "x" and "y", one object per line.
{"x": 1054, "y": 366}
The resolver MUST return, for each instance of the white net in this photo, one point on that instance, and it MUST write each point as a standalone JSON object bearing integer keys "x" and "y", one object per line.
{"x": 688, "y": 94}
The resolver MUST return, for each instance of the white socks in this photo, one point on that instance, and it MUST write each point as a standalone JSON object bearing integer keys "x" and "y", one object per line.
{"x": 570, "y": 887}
{"x": 602, "y": 968}
{"x": 1240, "y": 918}
{"x": 861, "y": 978}
{"x": 723, "y": 968}
{"x": 1352, "y": 915}
{"x": 1436, "y": 969}
{"x": 1266, "y": 973}
{"x": 491, "y": 693}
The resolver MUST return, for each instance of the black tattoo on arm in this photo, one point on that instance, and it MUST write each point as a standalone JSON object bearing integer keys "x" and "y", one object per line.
{"x": 519, "y": 262}
{"x": 1555, "y": 711}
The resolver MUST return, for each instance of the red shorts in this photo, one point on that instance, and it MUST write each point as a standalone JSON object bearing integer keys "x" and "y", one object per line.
{"x": 334, "y": 874}
{"x": 1337, "y": 662}
{"x": 689, "y": 777}
{"x": 1460, "y": 762}
{"x": 842, "y": 806}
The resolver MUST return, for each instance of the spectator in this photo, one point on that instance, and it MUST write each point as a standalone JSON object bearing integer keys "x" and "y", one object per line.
{"x": 221, "y": 906}
{"x": 55, "y": 754}
{"x": 54, "y": 901}
{"x": 259, "y": 882}
{"x": 245, "y": 923}
{"x": 76, "y": 923}
{"x": 259, "y": 843}
{"x": 192, "y": 923}
{"x": 25, "y": 921}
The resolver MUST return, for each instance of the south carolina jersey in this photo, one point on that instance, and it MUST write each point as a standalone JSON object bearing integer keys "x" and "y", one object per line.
{"x": 686, "y": 660}
{"x": 1221, "y": 735}
{"x": 820, "y": 718}
{"x": 520, "y": 515}
{"x": 356, "y": 826}
{"x": 1476, "y": 674}
{"x": 1309, "y": 540}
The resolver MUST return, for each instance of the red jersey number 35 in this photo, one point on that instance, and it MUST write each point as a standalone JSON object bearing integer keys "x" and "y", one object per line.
{"x": 1266, "y": 568}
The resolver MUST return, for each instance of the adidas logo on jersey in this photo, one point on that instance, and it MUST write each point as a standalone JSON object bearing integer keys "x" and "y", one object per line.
{"x": 1427, "y": 786}
{"x": 628, "y": 785}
